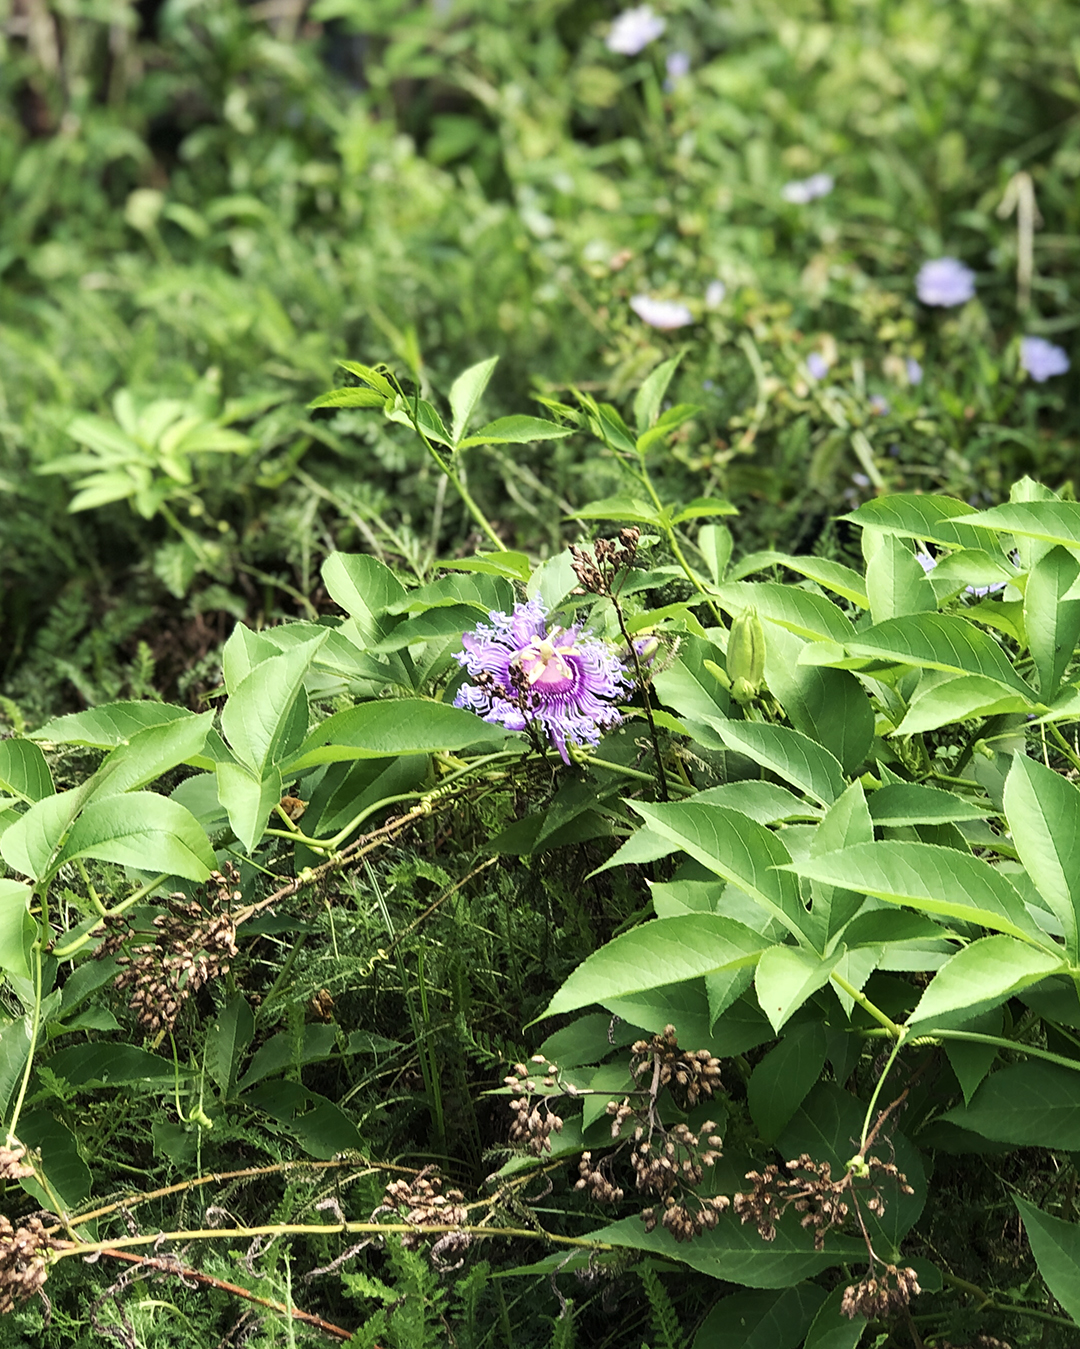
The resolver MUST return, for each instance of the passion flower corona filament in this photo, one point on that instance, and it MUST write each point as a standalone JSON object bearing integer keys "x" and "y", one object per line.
{"x": 524, "y": 673}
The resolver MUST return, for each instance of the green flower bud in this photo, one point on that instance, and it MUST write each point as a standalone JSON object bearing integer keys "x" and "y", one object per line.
{"x": 746, "y": 650}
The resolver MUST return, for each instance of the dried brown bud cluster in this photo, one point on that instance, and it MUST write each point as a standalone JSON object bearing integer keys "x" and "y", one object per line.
{"x": 193, "y": 944}
{"x": 597, "y": 570}
{"x": 668, "y": 1161}
{"x": 421, "y": 1203}
{"x": 12, "y": 1166}
{"x": 688, "y": 1075}
{"x": 824, "y": 1202}
{"x": 877, "y": 1296}
{"x": 22, "y": 1260}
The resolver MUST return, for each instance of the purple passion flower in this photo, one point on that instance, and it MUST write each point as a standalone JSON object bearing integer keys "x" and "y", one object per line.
{"x": 633, "y": 30}
{"x": 660, "y": 313}
{"x": 1042, "y": 359}
{"x": 945, "y": 282}
{"x": 913, "y": 370}
{"x": 802, "y": 191}
{"x": 525, "y": 672}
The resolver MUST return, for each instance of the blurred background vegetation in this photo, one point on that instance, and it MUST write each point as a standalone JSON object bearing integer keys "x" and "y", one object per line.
{"x": 206, "y": 203}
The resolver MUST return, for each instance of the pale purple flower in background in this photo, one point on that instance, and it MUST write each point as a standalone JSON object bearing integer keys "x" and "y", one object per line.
{"x": 660, "y": 313}
{"x": 914, "y": 371}
{"x": 879, "y": 404}
{"x": 925, "y": 561}
{"x": 928, "y": 564}
{"x": 714, "y": 294}
{"x": 800, "y": 191}
{"x": 945, "y": 282}
{"x": 1042, "y": 359}
{"x": 633, "y": 30}
{"x": 677, "y": 66}
{"x": 526, "y": 672}
{"x": 817, "y": 367}
{"x": 860, "y": 480}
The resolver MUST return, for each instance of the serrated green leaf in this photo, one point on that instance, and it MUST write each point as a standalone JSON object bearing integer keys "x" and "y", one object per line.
{"x": 939, "y": 642}
{"x": 782, "y": 1079}
{"x": 364, "y": 587}
{"x": 109, "y": 725}
{"x": 800, "y": 611}
{"x": 1053, "y": 522}
{"x": 266, "y": 717}
{"x": 14, "y": 907}
{"x": 619, "y": 508}
{"x": 925, "y": 516}
{"x": 24, "y": 771}
{"x": 140, "y": 829}
{"x": 762, "y": 1319}
{"x": 964, "y": 698}
{"x": 465, "y": 392}
{"x": 1043, "y": 811}
{"x": 1051, "y": 621}
{"x": 350, "y": 397}
{"x": 150, "y": 753}
{"x": 906, "y": 803}
{"x": 391, "y": 727}
{"x": 516, "y": 430}
{"x": 666, "y": 951}
{"x": 702, "y": 508}
{"x": 834, "y": 576}
{"x": 983, "y": 975}
{"x": 1027, "y": 1104}
{"x": 738, "y": 849}
{"x": 1055, "y": 1244}
{"x": 785, "y": 977}
{"x": 227, "y": 1042}
{"x": 896, "y": 584}
{"x": 931, "y": 879}
{"x": 29, "y": 846}
{"x": 248, "y": 798}
{"x": 651, "y": 394}
{"x": 789, "y": 754}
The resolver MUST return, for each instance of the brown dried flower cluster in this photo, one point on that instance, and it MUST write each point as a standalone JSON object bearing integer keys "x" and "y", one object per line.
{"x": 533, "y": 1125}
{"x": 668, "y": 1161}
{"x": 688, "y": 1075}
{"x": 877, "y": 1296}
{"x": 597, "y": 570}
{"x": 12, "y": 1166}
{"x": 824, "y": 1202}
{"x": 23, "y": 1267}
{"x": 421, "y": 1203}
{"x": 980, "y": 1342}
{"x": 193, "y": 944}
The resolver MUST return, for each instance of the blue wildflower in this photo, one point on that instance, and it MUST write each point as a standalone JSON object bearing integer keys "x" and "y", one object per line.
{"x": 1042, "y": 359}
{"x": 914, "y": 371}
{"x": 633, "y": 30}
{"x": 801, "y": 191}
{"x": 817, "y": 367}
{"x": 945, "y": 282}
{"x": 526, "y": 673}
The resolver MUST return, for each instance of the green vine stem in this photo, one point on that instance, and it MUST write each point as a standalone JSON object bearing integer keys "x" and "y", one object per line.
{"x": 897, "y": 1032}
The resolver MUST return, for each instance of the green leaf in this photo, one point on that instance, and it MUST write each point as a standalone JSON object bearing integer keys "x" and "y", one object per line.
{"x": 1056, "y": 1247}
{"x": 1051, "y": 620}
{"x": 715, "y": 543}
{"x": 465, "y": 392}
{"x": 419, "y": 413}
{"x": 243, "y": 651}
{"x": 906, "y": 803}
{"x": 800, "y": 611}
{"x": 68, "y": 1175}
{"x": 1054, "y": 522}
{"x": 29, "y": 845}
{"x": 14, "y": 907}
{"x": 923, "y": 516}
{"x": 391, "y": 727}
{"x": 736, "y": 848}
{"x": 370, "y": 375}
{"x": 364, "y": 587}
{"x": 983, "y": 975}
{"x": 763, "y": 1319}
{"x": 939, "y": 642}
{"x": 829, "y": 706}
{"x": 846, "y": 823}
{"x": 662, "y": 952}
{"x": 104, "y": 437}
{"x": 1027, "y": 1104}
{"x": 733, "y": 1251}
{"x": 248, "y": 799}
{"x": 619, "y": 508}
{"x": 789, "y": 754}
{"x": 896, "y": 584}
{"x": 702, "y": 508}
{"x": 108, "y": 1064}
{"x": 514, "y": 566}
{"x": 150, "y": 753}
{"x": 687, "y": 687}
{"x": 227, "y": 1042}
{"x": 786, "y": 976}
{"x": 109, "y": 725}
{"x": 14, "y": 1048}
{"x": 931, "y": 879}
{"x": 782, "y": 1079}
{"x": 143, "y": 830}
{"x": 833, "y": 1328}
{"x": 651, "y": 394}
{"x": 1043, "y": 811}
{"x": 517, "y": 430}
{"x": 266, "y": 717}
{"x": 834, "y": 576}
{"x": 964, "y": 698}
{"x": 24, "y": 771}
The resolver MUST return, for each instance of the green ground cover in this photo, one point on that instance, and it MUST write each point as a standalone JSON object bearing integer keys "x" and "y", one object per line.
{"x": 260, "y": 473}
